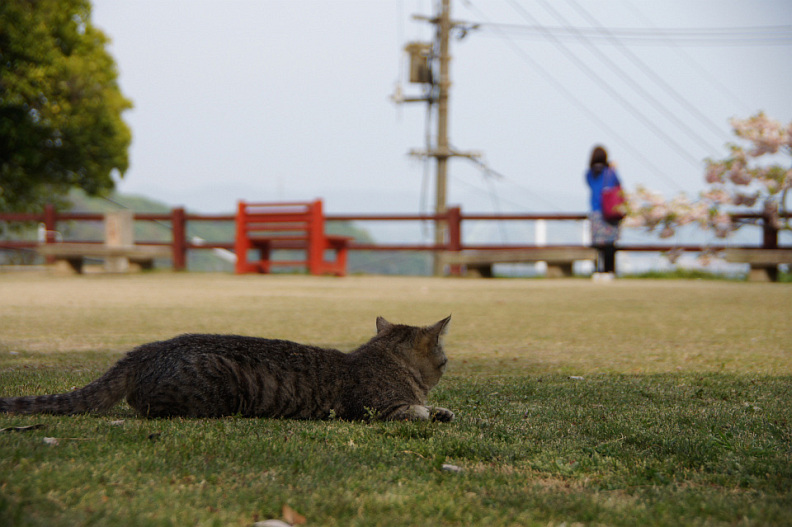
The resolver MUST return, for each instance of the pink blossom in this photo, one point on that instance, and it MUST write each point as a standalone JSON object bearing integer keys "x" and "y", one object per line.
{"x": 634, "y": 221}
{"x": 740, "y": 176}
{"x": 722, "y": 224}
{"x": 657, "y": 214}
{"x": 667, "y": 232}
{"x": 715, "y": 172}
{"x": 739, "y": 180}
{"x": 673, "y": 255}
{"x": 767, "y": 135}
{"x": 695, "y": 212}
{"x": 705, "y": 258}
{"x": 745, "y": 200}
{"x": 717, "y": 195}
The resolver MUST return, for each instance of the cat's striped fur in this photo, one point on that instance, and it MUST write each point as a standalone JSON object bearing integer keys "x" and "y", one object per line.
{"x": 388, "y": 377}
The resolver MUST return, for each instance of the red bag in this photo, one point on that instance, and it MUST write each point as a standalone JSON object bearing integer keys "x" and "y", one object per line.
{"x": 612, "y": 204}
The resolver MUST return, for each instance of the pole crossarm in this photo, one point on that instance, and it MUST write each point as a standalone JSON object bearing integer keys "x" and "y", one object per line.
{"x": 400, "y": 100}
{"x": 445, "y": 152}
{"x": 452, "y": 23}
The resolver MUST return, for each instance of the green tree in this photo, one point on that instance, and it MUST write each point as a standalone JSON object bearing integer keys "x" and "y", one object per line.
{"x": 60, "y": 104}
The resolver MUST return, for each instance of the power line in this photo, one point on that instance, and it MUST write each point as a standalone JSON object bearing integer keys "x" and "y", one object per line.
{"x": 678, "y": 148}
{"x": 517, "y": 206}
{"x": 563, "y": 90}
{"x": 424, "y": 206}
{"x": 700, "y": 69}
{"x": 649, "y": 72}
{"x": 725, "y": 36}
{"x": 489, "y": 173}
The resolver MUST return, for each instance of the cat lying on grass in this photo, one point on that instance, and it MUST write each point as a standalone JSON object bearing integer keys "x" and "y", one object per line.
{"x": 386, "y": 378}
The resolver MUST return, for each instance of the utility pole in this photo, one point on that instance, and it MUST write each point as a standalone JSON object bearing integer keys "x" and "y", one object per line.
{"x": 422, "y": 55}
{"x": 442, "y": 152}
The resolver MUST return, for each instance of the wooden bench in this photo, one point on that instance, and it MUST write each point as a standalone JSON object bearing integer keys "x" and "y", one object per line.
{"x": 559, "y": 259}
{"x": 267, "y": 227}
{"x": 71, "y": 256}
{"x": 764, "y": 262}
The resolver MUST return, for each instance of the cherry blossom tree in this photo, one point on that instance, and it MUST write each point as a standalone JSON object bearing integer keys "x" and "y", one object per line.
{"x": 755, "y": 177}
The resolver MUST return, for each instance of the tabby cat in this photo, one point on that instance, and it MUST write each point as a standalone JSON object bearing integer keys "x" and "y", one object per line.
{"x": 387, "y": 378}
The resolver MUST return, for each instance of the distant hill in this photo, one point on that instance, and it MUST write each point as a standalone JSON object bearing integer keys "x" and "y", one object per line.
{"x": 149, "y": 231}
{"x": 369, "y": 262}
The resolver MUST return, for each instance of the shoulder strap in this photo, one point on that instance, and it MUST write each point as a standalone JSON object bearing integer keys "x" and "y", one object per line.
{"x": 610, "y": 178}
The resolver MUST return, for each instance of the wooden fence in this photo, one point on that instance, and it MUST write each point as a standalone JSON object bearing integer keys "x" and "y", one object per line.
{"x": 177, "y": 220}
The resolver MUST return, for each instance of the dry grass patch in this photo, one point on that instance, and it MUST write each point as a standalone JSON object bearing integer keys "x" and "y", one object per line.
{"x": 519, "y": 325}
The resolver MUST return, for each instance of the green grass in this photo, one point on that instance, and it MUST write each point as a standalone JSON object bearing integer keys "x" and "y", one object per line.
{"x": 784, "y": 276}
{"x": 700, "y": 274}
{"x": 637, "y": 402}
{"x": 684, "y": 274}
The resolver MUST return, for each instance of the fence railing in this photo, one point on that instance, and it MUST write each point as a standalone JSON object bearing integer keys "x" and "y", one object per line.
{"x": 180, "y": 243}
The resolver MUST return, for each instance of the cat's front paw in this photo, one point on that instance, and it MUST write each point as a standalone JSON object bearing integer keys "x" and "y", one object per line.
{"x": 443, "y": 415}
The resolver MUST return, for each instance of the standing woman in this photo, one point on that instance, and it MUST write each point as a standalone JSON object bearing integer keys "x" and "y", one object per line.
{"x": 604, "y": 234}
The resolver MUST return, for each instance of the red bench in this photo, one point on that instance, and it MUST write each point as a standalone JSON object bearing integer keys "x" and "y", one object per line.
{"x": 267, "y": 227}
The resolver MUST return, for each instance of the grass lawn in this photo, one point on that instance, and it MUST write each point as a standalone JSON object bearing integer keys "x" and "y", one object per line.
{"x": 649, "y": 402}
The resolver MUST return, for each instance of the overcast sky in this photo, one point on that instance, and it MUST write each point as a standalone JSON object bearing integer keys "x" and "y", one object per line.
{"x": 289, "y": 100}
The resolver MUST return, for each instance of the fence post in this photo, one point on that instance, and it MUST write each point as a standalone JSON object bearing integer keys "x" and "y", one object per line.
{"x": 242, "y": 244}
{"x": 119, "y": 232}
{"x": 179, "y": 229}
{"x": 50, "y": 226}
{"x": 769, "y": 234}
{"x": 454, "y": 222}
{"x": 540, "y": 235}
{"x": 315, "y": 249}
{"x": 50, "y": 222}
{"x": 770, "y": 237}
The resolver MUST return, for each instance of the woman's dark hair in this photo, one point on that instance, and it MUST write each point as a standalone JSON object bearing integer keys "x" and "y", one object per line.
{"x": 599, "y": 156}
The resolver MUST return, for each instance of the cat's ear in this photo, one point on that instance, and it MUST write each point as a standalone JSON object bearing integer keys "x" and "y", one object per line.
{"x": 440, "y": 328}
{"x": 382, "y": 325}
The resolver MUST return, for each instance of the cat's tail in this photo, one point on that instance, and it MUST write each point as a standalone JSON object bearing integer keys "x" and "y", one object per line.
{"x": 98, "y": 396}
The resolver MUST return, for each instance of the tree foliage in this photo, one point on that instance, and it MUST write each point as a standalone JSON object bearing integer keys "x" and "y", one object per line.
{"x": 60, "y": 104}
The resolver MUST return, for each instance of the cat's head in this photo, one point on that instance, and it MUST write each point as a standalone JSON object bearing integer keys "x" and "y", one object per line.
{"x": 421, "y": 345}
